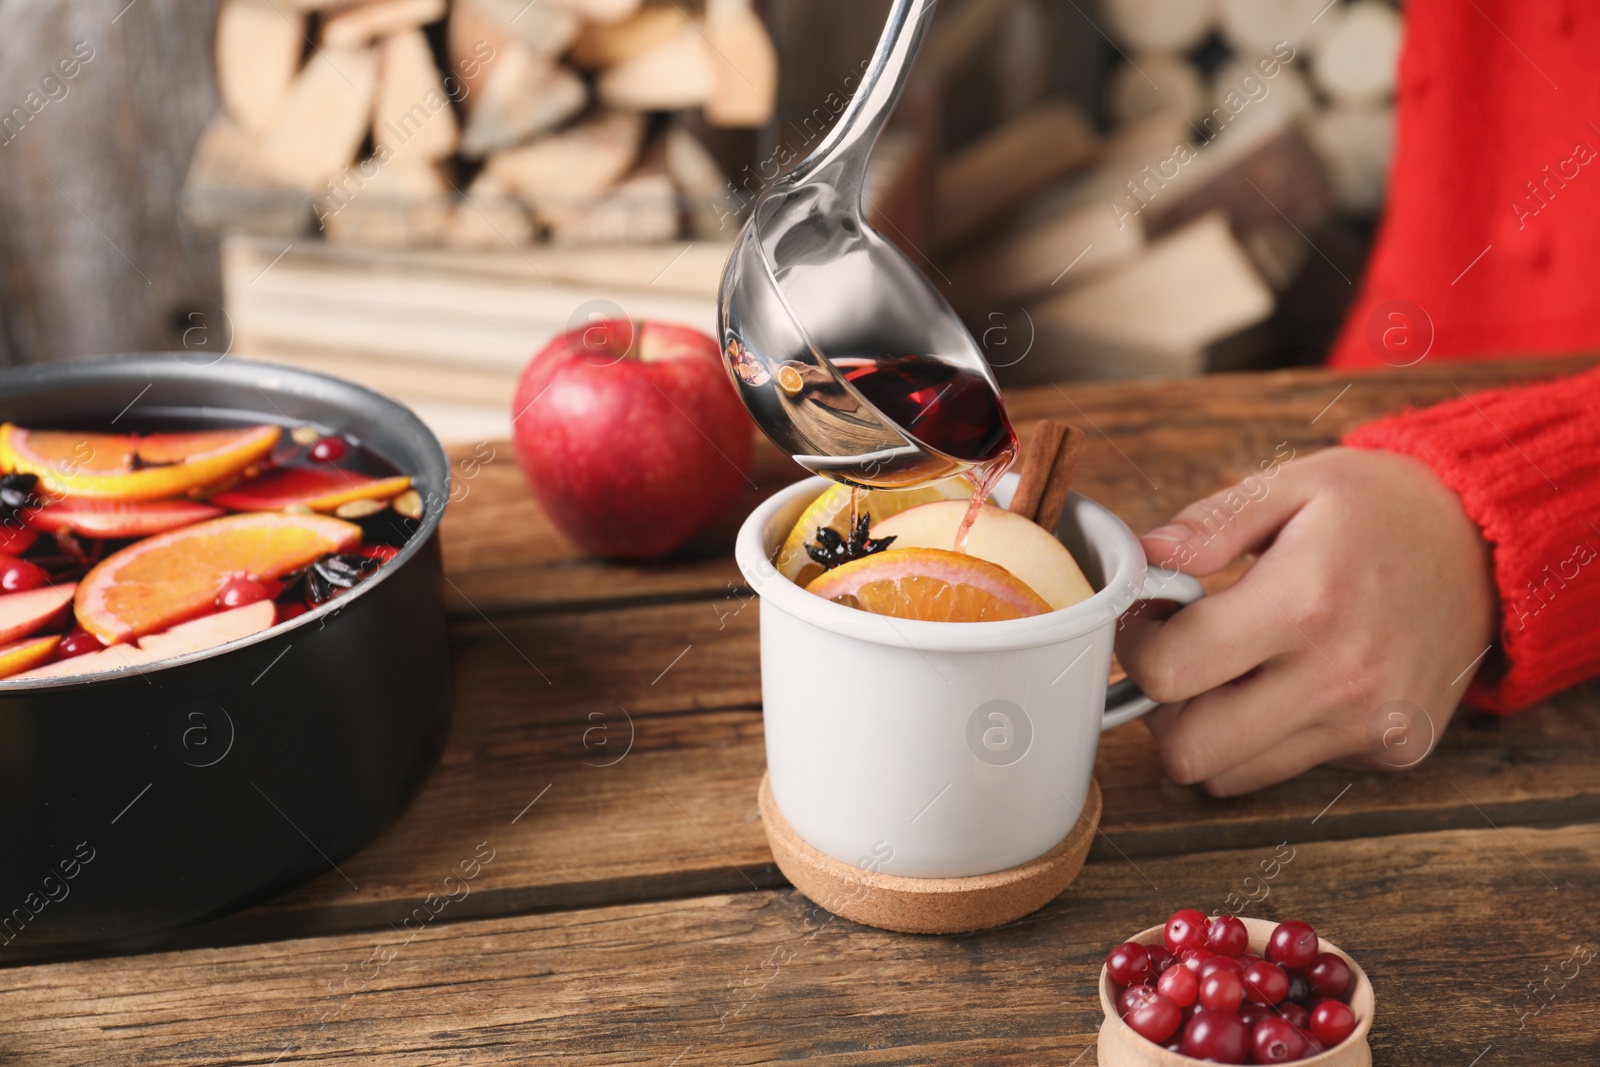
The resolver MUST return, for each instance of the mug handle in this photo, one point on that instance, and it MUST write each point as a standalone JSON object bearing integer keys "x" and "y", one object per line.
{"x": 1124, "y": 702}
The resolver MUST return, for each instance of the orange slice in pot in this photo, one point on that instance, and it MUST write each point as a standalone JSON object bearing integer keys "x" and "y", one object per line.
{"x": 309, "y": 487}
{"x": 931, "y": 585}
{"x": 25, "y": 655}
{"x": 172, "y": 577}
{"x": 131, "y": 467}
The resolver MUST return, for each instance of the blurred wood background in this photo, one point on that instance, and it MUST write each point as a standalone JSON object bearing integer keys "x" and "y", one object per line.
{"x": 1039, "y": 124}
{"x": 94, "y": 258}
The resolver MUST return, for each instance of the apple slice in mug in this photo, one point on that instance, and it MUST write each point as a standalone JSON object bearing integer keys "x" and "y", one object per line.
{"x": 1020, "y": 545}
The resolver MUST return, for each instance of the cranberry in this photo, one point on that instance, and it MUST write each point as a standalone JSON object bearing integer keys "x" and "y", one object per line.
{"x": 291, "y": 610}
{"x": 1132, "y": 997}
{"x": 1274, "y": 1041}
{"x": 1313, "y": 1046}
{"x": 1157, "y": 1019}
{"x": 1220, "y": 963}
{"x": 1296, "y": 1015}
{"x": 329, "y": 450}
{"x": 1248, "y": 958}
{"x": 1328, "y": 975}
{"x": 242, "y": 589}
{"x": 1265, "y": 983}
{"x": 1128, "y": 963}
{"x": 1216, "y": 1035}
{"x": 1332, "y": 1021}
{"x": 1194, "y": 959}
{"x": 1222, "y": 991}
{"x": 1175, "y": 1044}
{"x": 76, "y": 644}
{"x": 1226, "y": 936}
{"x": 1178, "y": 986}
{"x": 15, "y": 539}
{"x": 1299, "y": 986}
{"x": 17, "y": 575}
{"x": 1293, "y": 944}
{"x": 1185, "y": 930}
{"x": 1250, "y": 1014}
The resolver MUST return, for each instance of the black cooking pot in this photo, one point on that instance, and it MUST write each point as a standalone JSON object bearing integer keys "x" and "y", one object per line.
{"x": 137, "y": 802}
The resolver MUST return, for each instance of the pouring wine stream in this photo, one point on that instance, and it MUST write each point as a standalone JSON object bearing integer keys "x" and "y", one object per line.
{"x": 843, "y": 352}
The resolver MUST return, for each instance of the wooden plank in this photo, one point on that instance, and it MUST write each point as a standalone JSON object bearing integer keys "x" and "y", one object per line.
{"x": 635, "y": 737}
{"x": 478, "y": 310}
{"x": 1450, "y": 927}
{"x": 503, "y": 554}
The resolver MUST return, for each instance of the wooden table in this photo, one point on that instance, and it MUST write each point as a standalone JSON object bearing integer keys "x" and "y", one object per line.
{"x": 600, "y": 787}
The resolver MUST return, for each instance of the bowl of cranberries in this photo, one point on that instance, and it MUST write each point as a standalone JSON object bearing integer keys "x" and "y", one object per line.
{"x": 1226, "y": 989}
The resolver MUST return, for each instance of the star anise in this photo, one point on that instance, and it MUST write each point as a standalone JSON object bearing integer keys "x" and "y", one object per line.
{"x": 333, "y": 572}
{"x": 831, "y": 550}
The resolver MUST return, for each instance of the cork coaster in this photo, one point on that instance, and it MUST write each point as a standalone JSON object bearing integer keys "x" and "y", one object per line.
{"x": 928, "y": 905}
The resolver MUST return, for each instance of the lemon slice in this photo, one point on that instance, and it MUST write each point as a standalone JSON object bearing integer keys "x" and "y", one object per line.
{"x": 832, "y": 510}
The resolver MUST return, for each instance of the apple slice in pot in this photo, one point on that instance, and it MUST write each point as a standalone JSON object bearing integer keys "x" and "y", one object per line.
{"x": 30, "y": 610}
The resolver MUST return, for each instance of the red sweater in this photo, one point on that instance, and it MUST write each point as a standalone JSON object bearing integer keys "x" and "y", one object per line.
{"x": 1491, "y": 235}
{"x": 1490, "y": 246}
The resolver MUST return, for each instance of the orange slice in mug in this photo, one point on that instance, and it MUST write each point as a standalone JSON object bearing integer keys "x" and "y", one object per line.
{"x": 163, "y": 580}
{"x": 931, "y": 585}
{"x": 128, "y": 466}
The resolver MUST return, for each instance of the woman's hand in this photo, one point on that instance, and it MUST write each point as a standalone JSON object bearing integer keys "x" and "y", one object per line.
{"x": 1371, "y": 587}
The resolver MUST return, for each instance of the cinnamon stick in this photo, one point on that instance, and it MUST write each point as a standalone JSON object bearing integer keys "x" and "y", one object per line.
{"x": 1038, "y": 460}
{"x": 1059, "y": 483}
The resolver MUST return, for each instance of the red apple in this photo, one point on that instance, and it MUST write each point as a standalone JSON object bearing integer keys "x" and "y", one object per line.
{"x": 631, "y": 436}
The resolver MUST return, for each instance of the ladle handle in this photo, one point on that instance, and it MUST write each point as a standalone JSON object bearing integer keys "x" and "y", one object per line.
{"x": 844, "y": 153}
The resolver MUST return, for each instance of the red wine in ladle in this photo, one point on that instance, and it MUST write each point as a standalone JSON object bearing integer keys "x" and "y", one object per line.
{"x": 950, "y": 410}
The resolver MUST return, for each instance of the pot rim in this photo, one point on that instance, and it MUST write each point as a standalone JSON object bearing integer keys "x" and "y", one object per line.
{"x": 258, "y": 375}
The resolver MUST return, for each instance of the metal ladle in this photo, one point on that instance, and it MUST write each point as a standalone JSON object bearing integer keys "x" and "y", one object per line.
{"x": 808, "y": 282}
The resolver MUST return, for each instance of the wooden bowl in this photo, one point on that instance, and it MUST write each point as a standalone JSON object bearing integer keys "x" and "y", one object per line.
{"x": 1121, "y": 1047}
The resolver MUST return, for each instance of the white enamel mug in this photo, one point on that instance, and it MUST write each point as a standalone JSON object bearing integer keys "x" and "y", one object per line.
{"x": 940, "y": 749}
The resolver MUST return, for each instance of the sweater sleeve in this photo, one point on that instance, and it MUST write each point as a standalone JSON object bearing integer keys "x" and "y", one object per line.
{"x": 1526, "y": 464}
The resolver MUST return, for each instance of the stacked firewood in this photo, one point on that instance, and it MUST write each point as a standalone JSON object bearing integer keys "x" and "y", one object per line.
{"x": 477, "y": 123}
{"x": 1248, "y": 139}
{"x": 1337, "y": 77}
